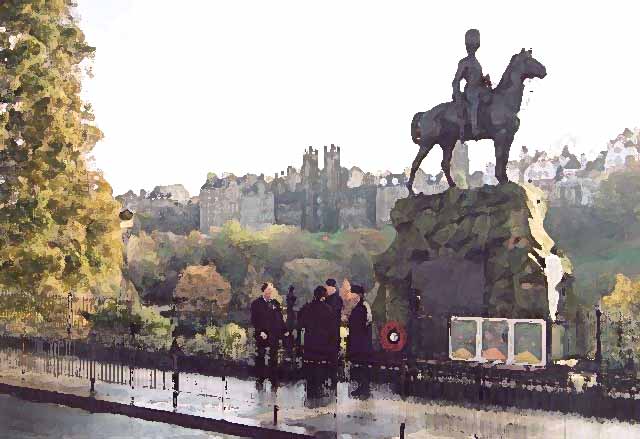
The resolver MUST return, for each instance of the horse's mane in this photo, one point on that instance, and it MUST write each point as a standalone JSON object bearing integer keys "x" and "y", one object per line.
{"x": 505, "y": 81}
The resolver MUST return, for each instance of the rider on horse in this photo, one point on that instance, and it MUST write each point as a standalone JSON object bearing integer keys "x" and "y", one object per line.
{"x": 476, "y": 86}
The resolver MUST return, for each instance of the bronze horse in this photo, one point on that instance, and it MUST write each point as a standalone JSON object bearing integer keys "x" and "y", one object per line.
{"x": 497, "y": 119}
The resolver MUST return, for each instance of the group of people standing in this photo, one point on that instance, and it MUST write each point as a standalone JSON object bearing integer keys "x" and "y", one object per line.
{"x": 318, "y": 322}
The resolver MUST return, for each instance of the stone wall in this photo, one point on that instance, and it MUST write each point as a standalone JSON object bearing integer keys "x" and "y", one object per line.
{"x": 358, "y": 208}
{"x": 312, "y": 209}
{"x": 219, "y": 205}
{"x": 326, "y": 200}
{"x": 257, "y": 211}
{"x": 288, "y": 208}
{"x": 163, "y": 215}
{"x": 177, "y": 191}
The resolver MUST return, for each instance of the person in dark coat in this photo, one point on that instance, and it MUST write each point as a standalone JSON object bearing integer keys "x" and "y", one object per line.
{"x": 268, "y": 324}
{"x": 319, "y": 337}
{"x": 335, "y": 302}
{"x": 359, "y": 342}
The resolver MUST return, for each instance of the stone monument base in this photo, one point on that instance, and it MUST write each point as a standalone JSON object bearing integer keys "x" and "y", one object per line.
{"x": 474, "y": 253}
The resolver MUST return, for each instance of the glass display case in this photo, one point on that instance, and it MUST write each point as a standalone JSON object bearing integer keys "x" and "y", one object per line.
{"x": 509, "y": 341}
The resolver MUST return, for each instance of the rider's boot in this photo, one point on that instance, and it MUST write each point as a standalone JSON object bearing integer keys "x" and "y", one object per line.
{"x": 474, "y": 119}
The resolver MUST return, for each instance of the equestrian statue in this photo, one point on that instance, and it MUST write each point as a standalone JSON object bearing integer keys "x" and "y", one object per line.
{"x": 479, "y": 113}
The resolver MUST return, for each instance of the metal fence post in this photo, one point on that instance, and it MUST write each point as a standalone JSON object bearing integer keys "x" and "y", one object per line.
{"x": 92, "y": 364}
{"x": 598, "y": 336}
{"x": 23, "y": 357}
{"x": 69, "y": 314}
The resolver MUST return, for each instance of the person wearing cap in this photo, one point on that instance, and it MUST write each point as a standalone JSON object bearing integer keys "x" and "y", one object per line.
{"x": 319, "y": 337}
{"x": 359, "y": 342}
{"x": 333, "y": 298}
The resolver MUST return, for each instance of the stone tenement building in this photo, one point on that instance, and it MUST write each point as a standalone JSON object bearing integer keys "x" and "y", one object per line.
{"x": 334, "y": 197}
{"x": 314, "y": 199}
{"x": 566, "y": 179}
{"x": 165, "y": 209}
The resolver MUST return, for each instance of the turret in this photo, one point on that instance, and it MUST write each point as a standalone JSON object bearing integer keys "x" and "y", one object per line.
{"x": 309, "y": 169}
{"x": 331, "y": 171}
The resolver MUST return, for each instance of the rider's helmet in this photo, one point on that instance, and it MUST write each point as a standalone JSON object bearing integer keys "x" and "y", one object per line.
{"x": 472, "y": 40}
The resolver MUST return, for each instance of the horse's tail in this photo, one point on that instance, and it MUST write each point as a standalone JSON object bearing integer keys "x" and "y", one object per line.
{"x": 415, "y": 127}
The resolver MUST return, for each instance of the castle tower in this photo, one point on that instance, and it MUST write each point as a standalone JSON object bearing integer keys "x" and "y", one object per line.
{"x": 331, "y": 186}
{"x": 331, "y": 172}
{"x": 460, "y": 164}
{"x": 310, "y": 171}
{"x": 311, "y": 186}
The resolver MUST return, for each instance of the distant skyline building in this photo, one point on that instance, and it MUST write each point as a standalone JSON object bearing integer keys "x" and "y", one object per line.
{"x": 336, "y": 198}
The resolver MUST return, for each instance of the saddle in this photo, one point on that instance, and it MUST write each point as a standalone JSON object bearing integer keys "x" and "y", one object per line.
{"x": 486, "y": 96}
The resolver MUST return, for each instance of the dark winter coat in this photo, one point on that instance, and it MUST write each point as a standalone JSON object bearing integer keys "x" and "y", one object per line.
{"x": 267, "y": 317}
{"x": 335, "y": 302}
{"x": 359, "y": 342}
{"x": 317, "y": 320}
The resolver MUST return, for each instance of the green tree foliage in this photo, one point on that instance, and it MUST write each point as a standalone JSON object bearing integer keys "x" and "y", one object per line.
{"x": 143, "y": 268}
{"x": 602, "y": 239}
{"x": 154, "y": 261}
{"x": 202, "y": 293}
{"x": 621, "y": 332}
{"x": 618, "y": 200}
{"x": 59, "y": 227}
{"x": 361, "y": 267}
{"x": 307, "y": 273}
{"x": 117, "y": 319}
{"x": 247, "y": 258}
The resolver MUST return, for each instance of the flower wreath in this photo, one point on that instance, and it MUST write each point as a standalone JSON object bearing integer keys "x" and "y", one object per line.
{"x": 393, "y": 337}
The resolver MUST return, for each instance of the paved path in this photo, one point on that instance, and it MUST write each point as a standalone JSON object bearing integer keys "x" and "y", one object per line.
{"x": 27, "y": 420}
{"x": 323, "y": 412}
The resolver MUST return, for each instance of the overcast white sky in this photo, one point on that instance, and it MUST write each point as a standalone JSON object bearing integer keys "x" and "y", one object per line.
{"x": 187, "y": 87}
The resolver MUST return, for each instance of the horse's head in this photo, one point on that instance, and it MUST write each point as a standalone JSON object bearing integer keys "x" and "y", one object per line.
{"x": 522, "y": 66}
{"x": 527, "y": 66}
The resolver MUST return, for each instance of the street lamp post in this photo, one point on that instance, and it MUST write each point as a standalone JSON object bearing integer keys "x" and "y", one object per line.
{"x": 290, "y": 343}
{"x": 174, "y": 351}
{"x": 69, "y": 313}
{"x": 598, "y": 335}
{"x": 69, "y": 321}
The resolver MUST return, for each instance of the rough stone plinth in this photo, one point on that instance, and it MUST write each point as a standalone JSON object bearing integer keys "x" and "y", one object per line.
{"x": 472, "y": 252}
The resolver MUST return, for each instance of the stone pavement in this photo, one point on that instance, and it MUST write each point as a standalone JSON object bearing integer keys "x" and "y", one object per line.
{"x": 302, "y": 407}
{"x": 28, "y": 420}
